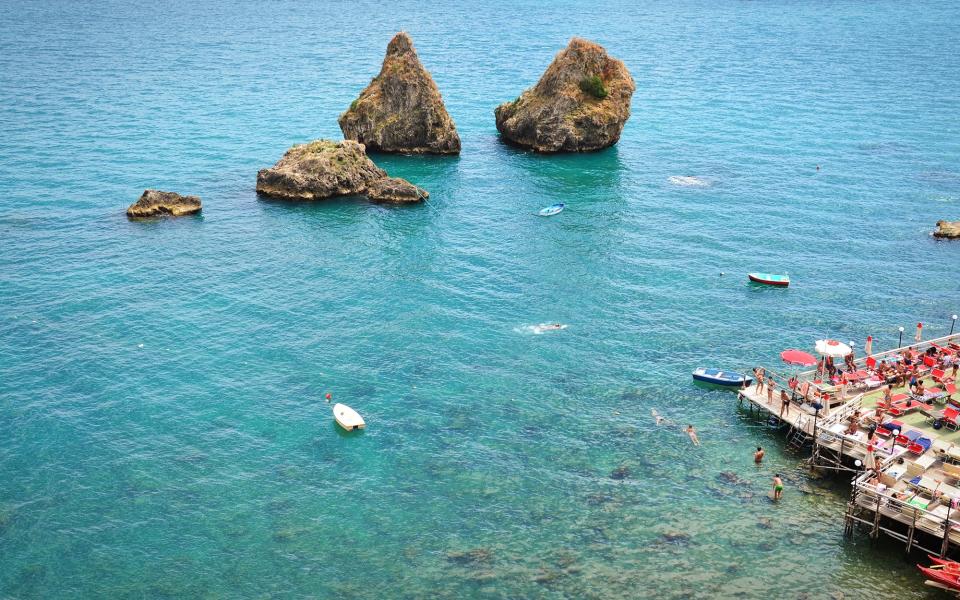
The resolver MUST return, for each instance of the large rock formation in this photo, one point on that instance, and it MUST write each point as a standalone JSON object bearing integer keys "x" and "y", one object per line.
{"x": 581, "y": 103}
{"x": 324, "y": 168}
{"x": 948, "y": 230}
{"x": 401, "y": 110}
{"x": 154, "y": 203}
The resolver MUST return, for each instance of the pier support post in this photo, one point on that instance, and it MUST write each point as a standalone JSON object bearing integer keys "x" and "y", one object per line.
{"x": 876, "y": 520}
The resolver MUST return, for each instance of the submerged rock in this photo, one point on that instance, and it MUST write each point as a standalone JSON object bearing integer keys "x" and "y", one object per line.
{"x": 323, "y": 169}
{"x": 476, "y": 556}
{"x": 621, "y": 472}
{"x": 401, "y": 110}
{"x": 154, "y": 203}
{"x": 948, "y": 230}
{"x": 581, "y": 103}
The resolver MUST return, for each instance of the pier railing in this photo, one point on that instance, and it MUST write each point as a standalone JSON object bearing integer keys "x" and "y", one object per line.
{"x": 946, "y": 528}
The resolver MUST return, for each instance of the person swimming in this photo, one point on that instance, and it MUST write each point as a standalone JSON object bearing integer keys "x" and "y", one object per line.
{"x": 660, "y": 419}
{"x": 693, "y": 435}
{"x": 758, "y": 455}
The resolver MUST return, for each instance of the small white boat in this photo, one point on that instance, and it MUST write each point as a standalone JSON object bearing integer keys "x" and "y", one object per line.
{"x": 347, "y": 418}
{"x": 551, "y": 210}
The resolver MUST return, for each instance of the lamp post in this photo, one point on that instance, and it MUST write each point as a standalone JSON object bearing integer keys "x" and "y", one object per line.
{"x": 900, "y": 342}
{"x": 954, "y": 322}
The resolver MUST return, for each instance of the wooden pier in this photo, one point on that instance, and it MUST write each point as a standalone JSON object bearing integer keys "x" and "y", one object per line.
{"x": 906, "y": 491}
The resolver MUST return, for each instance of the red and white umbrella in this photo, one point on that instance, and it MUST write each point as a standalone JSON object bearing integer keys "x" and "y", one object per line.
{"x": 832, "y": 348}
{"x": 798, "y": 357}
{"x": 868, "y": 347}
{"x": 919, "y": 335}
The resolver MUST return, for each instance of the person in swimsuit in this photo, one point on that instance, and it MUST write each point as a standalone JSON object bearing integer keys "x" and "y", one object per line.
{"x": 693, "y": 435}
{"x": 758, "y": 455}
{"x": 777, "y": 487}
{"x": 784, "y": 403}
{"x": 759, "y": 386}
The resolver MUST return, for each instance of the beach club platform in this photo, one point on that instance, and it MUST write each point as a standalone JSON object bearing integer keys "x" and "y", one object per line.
{"x": 906, "y": 476}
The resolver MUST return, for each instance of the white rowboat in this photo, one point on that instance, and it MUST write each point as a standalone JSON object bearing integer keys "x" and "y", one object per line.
{"x": 347, "y": 418}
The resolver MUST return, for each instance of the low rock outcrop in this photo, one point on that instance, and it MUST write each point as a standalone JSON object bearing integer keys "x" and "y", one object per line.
{"x": 394, "y": 189}
{"x": 947, "y": 230}
{"x": 580, "y": 104}
{"x": 154, "y": 203}
{"x": 401, "y": 110}
{"x": 324, "y": 168}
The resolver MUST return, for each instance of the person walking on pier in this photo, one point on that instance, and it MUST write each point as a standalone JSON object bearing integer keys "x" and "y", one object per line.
{"x": 771, "y": 384}
{"x": 777, "y": 487}
{"x": 759, "y": 373}
{"x": 758, "y": 455}
{"x": 784, "y": 403}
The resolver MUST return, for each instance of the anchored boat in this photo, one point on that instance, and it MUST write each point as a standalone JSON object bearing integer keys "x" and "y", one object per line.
{"x": 719, "y": 377}
{"x": 769, "y": 279}
{"x": 347, "y": 418}
{"x": 551, "y": 210}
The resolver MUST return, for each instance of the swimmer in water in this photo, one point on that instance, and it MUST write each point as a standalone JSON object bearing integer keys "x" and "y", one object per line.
{"x": 660, "y": 419}
{"x": 693, "y": 435}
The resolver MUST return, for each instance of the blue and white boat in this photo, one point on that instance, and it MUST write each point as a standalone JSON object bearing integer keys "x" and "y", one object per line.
{"x": 551, "y": 210}
{"x": 720, "y": 377}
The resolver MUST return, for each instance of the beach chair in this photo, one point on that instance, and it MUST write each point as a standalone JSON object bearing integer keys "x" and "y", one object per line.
{"x": 914, "y": 473}
{"x": 951, "y": 470}
{"x": 888, "y": 428}
{"x": 950, "y": 415}
{"x": 908, "y": 437}
{"x": 920, "y": 446}
{"x": 937, "y": 375}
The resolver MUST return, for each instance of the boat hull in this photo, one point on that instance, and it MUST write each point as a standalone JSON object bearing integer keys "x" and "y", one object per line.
{"x": 722, "y": 378}
{"x": 347, "y": 418}
{"x": 767, "y": 280}
{"x": 941, "y": 577}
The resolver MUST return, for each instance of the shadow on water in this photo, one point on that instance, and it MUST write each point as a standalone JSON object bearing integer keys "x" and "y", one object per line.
{"x": 343, "y": 433}
{"x": 590, "y": 175}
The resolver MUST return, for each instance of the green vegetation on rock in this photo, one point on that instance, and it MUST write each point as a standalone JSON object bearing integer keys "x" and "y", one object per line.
{"x": 594, "y": 87}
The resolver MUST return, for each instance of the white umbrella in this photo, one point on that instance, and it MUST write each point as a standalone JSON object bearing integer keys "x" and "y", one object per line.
{"x": 832, "y": 348}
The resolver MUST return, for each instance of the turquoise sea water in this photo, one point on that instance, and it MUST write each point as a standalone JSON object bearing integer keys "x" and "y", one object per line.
{"x": 162, "y": 427}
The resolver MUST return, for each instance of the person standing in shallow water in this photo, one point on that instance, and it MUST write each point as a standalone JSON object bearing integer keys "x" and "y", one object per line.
{"x": 758, "y": 455}
{"x": 777, "y": 487}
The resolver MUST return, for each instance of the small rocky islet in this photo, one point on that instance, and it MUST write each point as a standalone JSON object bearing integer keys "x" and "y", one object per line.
{"x": 401, "y": 110}
{"x": 325, "y": 168}
{"x": 580, "y": 104}
{"x": 947, "y": 230}
{"x": 157, "y": 203}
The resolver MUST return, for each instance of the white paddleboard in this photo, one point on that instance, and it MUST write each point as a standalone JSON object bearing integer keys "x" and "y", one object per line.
{"x": 347, "y": 418}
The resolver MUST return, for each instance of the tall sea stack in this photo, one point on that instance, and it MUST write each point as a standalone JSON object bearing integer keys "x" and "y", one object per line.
{"x": 401, "y": 110}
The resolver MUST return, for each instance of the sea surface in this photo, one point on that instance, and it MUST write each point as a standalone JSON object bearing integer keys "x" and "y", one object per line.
{"x": 163, "y": 428}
